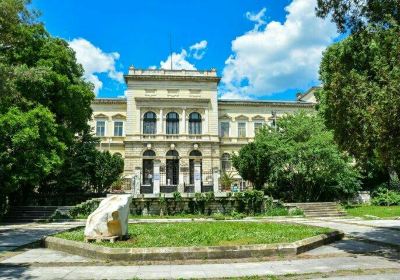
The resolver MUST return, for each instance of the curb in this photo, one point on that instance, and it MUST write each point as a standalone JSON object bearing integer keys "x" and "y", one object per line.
{"x": 189, "y": 253}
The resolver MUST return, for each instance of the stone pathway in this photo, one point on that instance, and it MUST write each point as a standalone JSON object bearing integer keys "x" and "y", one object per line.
{"x": 351, "y": 256}
{"x": 374, "y": 231}
{"x": 14, "y": 236}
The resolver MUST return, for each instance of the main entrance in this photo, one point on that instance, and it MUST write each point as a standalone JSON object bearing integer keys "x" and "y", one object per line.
{"x": 172, "y": 167}
{"x": 194, "y": 155}
{"x": 148, "y": 167}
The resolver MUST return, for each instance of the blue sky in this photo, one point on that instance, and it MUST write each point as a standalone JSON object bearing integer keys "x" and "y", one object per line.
{"x": 261, "y": 49}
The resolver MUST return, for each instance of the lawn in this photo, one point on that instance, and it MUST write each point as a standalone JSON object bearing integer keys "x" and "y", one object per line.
{"x": 378, "y": 211}
{"x": 206, "y": 234}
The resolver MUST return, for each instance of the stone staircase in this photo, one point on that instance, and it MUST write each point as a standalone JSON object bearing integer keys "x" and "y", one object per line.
{"x": 28, "y": 214}
{"x": 319, "y": 209}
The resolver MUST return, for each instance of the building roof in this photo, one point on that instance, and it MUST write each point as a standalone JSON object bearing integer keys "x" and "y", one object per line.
{"x": 264, "y": 103}
{"x": 171, "y": 75}
{"x": 109, "y": 101}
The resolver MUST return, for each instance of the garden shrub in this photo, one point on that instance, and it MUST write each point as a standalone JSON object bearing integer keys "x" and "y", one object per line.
{"x": 385, "y": 197}
{"x": 84, "y": 208}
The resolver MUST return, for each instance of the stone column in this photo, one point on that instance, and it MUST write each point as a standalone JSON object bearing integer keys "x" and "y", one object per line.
{"x": 156, "y": 176}
{"x": 136, "y": 181}
{"x": 205, "y": 123}
{"x": 183, "y": 124}
{"x": 197, "y": 175}
{"x": 216, "y": 176}
{"x": 160, "y": 125}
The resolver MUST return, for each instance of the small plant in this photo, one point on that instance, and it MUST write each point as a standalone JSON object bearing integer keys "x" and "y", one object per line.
{"x": 237, "y": 216}
{"x": 296, "y": 212}
{"x": 162, "y": 201}
{"x": 227, "y": 180}
{"x": 218, "y": 216}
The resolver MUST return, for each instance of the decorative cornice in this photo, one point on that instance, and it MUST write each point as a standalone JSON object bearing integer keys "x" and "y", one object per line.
{"x": 171, "y": 78}
{"x": 109, "y": 101}
{"x": 259, "y": 103}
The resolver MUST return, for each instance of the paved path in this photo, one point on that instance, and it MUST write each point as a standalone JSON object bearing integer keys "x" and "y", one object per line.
{"x": 300, "y": 266}
{"x": 375, "y": 231}
{"x": 346, "y": 255}
{"x": 14, "y": 236}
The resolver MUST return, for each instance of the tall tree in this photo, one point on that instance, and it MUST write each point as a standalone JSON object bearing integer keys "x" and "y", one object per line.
{"x": 39, "y": 73}
{"x": 360, "y": 96}
{"x": 29, "y": 149}
{"x": 353, "y": 15}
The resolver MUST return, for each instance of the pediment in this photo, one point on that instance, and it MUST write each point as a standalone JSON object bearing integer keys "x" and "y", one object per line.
{"x": 100, "y": 116}
{"x": 119, "y": 116}
{"x": 242, "y": 117}
{"x": 225, "y": 117}
{"x": 258, "y": 118}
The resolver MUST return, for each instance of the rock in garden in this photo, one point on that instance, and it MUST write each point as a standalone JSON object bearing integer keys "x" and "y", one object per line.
{"x": 110, "y": 218}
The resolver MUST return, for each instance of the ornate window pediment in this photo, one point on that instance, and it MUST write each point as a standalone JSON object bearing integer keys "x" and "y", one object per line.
{"x": 242, "y": 117}
{"x": 258, "y": 118}
{"x": 225, "y": 117}
{"x": 119, "y": 116}
{"x": 100, "y": 116}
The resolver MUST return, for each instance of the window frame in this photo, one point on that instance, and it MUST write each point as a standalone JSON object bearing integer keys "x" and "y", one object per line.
{"x": 256, "y": 129}
{"x": 221, "y": 129}
{"x": 149, "y": 125}
{"x": 122, "y": 128}
{"x": 195, "y": 125}
{"x": 105, "y": 127}
{"x": 240, "y": 129}
{"x": 172, "y": 124}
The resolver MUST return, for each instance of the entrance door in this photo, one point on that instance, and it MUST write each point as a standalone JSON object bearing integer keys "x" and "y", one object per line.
{"x": 172, "y": 167}
{"x": 192, "y": 157}
{"x": 148, "y": 167}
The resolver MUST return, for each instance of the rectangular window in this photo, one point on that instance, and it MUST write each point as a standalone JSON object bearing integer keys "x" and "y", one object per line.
{"x": 257, "y": 127}
{"x": 224, "y": 129}
{"x": 100, "y": 128}
{"x": 118, "y": 128}
{"x": 242, "y": 129}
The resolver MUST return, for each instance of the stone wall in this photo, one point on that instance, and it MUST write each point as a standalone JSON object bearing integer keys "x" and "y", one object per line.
{"x": 171, "y": 206}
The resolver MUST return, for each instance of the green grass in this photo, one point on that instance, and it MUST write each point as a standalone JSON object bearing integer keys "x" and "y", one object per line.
{"x": 206, "y": 234}
{"x": 378, "y": 211}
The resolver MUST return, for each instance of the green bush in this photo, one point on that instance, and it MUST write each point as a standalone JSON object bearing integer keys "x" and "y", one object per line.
{"x": 84, "y": 209}
{"x": 385, "y": 197}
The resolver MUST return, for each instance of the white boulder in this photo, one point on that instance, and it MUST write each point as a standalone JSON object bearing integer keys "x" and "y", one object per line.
{"x": 110, "y": 218}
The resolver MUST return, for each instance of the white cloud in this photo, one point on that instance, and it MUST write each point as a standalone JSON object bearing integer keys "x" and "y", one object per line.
{"x": 198, "y": 49}
{"x": 274, "y": 57}
{"x": 95, "y": 61}
{"x": 180, "y": 60}
{"x": 257, "y": 18}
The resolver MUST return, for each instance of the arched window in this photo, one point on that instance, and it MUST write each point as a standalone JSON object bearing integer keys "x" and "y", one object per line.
{"x": 149, "y": 123}
{"x": 172, "y": 167}
{"x": 194, "y": 123}
{"x": 194, "y": 155}
{"x": 148, "y": 167}
{"x": 226, "y": 163}
{"x": 172, "y": 123}
{"x": 149, "y": 153}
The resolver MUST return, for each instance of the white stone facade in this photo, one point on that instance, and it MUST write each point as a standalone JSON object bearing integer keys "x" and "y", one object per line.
{"x": 187, "y": 131}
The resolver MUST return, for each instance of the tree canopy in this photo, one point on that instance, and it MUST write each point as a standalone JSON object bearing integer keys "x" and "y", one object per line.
{"x": 360, "y": 97}
{"x": 299, "y": 161}
{"x": 45, "y": 105}
{"x": 353, "y": 15}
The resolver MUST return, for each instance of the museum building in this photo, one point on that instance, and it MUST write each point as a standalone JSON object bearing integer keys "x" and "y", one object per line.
{"x": 175, "y": 134}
